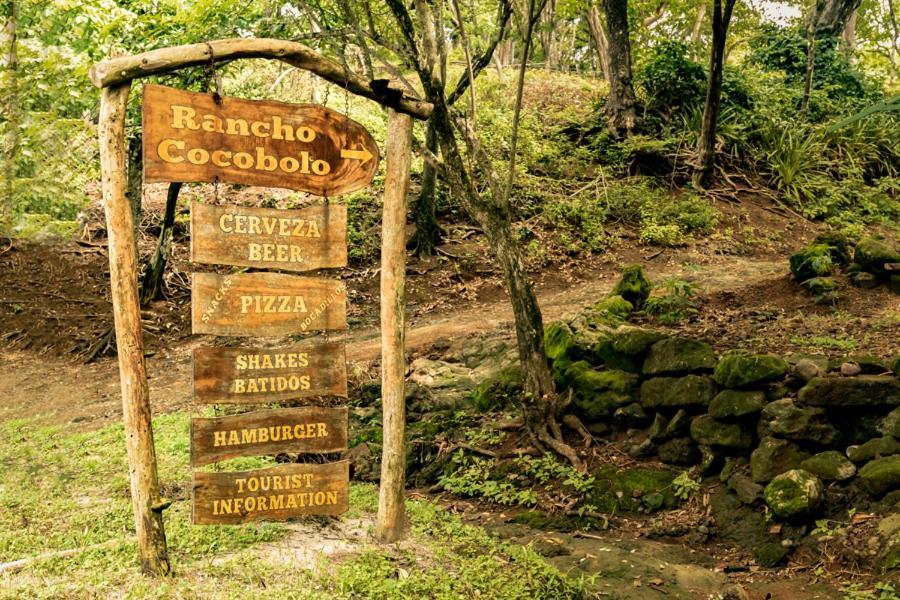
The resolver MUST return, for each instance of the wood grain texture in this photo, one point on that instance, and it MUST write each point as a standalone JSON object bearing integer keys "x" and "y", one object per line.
{"x": 260, "y": 375}
{"x": 308, "y": 429}
{"x": 266, "y": 304}
{"x": 272, "y": 494}
{"x": 290, "y": 240}
{"x": 190, "y": 137}
{"x": 123, "y": 69}
{"x": 123, "y": 272}
{"x": 391, "y": 522}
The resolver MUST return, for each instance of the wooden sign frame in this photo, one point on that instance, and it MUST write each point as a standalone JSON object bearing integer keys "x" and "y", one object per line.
{"x": 113, "y": 77}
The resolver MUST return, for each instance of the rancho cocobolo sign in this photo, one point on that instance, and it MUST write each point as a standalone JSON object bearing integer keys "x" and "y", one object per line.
{"x": 192, "y": 137}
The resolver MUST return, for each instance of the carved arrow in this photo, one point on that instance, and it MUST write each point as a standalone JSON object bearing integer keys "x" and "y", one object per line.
{"x": 361, "y": 155}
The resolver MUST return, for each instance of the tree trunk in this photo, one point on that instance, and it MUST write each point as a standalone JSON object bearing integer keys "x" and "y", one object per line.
{"x": 848, "y": 36}
{"x": 549, "y": 37}
{"x": 810, "y": 66}
{"x": 428, "y": 232}
{"x": 706, "y": 150}
{"x": 598, "y": 37}
{"x": 8, "y": 206}
{"x": 135, "y": 179}
{"x": 694, "y": 34}
{"x": 620, "y": 105}
{"x": 146, "y": 501}
{"x": 830, "y": 17}
{"x": 391, "y": 523}
{"x": 151, "y": 284}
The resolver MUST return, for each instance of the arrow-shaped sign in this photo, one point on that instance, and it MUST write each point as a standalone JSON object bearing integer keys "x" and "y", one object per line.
{"x": 361, "y": 155}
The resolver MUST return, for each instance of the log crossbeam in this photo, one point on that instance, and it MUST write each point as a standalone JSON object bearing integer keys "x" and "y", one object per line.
{"x": 122, "y": 69}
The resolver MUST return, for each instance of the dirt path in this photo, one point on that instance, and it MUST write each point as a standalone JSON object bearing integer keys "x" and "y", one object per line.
{"x": 60, "y": 391}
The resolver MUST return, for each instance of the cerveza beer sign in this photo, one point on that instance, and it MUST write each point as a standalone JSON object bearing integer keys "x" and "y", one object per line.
{"x": 191, "y": 137}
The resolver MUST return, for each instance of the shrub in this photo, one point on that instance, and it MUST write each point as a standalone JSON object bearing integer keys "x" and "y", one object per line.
{"x": 784, "y": 49}
{"x": 675, "y": 304}
{"x": 671, "y": 82}
{"x": 669, "y": 222}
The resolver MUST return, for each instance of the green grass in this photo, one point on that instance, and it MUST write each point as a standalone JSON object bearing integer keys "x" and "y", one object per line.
{"x": 62, "y": 490}
{"x": 820, "y": 341}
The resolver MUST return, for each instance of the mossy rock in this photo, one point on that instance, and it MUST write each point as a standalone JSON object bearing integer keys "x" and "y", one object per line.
{"x": 559, "y": 342}
{"x": 679, "y": 356}
{"x": 769, "y": 554}
{"x": 864, "y": 280}
{"x": 707, "y": 431}
{"x": 812, "y": 261}
{"x": 863, "y": 390}
{"x": 731, "y": 404}
{"x": 795, "y": 494}
{"x": 677, "y": 392}
{"x": 612, "y": 359}
{"x": 881, "y": 475}
{"x": 830, "y": 465}
{"x": 546, "y": 522}
{"x": 876, "y": 448}
{"x": 679, "y": 451}
{"x": 801, "y": 424}
{"x": 612, "y": 311}
{"x": 839, "y": 246}
{"x": 598, "y": 393}
{"x": 623, "y": 490}
{"x": 890, "y": 425}
{"x": 739, "y": 370}
{"x": 873, "y": 253}
{"x": 499, "y": 390}
{"x": 626, "y": 347}
{"x": 635, "y": 340}
{"x": 773, "y": 457}
{"x": 633, "y": 286}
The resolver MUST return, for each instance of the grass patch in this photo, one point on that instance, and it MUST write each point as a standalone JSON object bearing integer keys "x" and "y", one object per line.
{"x": 64, "y": 490}
{"x": 822, "y": 341}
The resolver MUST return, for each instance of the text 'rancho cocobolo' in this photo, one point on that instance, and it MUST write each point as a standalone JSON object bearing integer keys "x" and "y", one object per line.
{"x": 191, "y": 137}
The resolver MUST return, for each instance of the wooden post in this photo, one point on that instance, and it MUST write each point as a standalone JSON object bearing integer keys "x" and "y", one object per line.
{"x": 126, "y": 310}
{"x": 391, "y": 523}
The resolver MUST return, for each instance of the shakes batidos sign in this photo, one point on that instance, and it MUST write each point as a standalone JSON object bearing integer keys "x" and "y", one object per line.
{"x": 194, "y": 137}
{"x": 253, "y": 375}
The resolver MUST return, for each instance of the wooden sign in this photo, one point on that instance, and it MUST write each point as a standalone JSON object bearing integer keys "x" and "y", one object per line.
{"x": 190, "y": 137}
{"x": 258, "y": 375}
{"x": 272, "y": 494}
{"x": 306, "y": 429}
{"x": 292, "y": 240}
{"x": 263, "y": 304}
